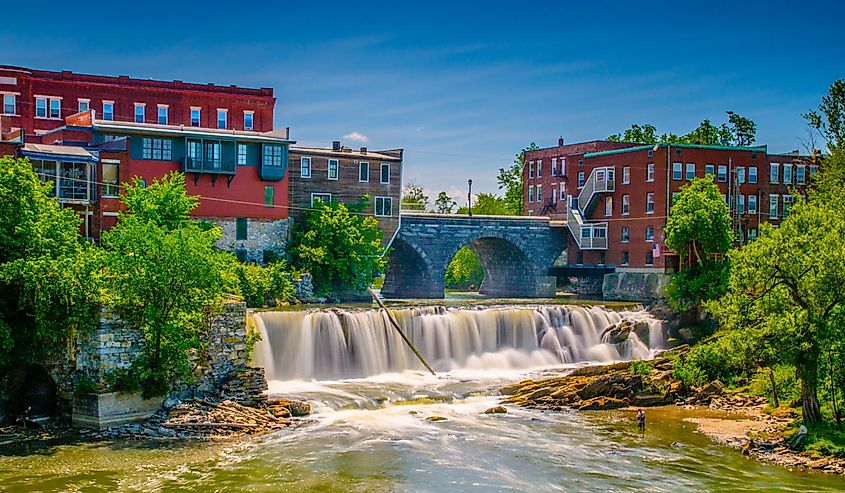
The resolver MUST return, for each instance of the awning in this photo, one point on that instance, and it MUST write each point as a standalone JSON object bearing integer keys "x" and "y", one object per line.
{"x": 58, "y": 153}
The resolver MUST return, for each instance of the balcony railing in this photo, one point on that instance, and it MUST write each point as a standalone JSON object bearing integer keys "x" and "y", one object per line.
{"x": 195, "y": 165}
{"x": 590, "y": 236}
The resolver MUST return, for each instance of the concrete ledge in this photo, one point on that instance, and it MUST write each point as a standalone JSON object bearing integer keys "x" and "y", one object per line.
{"x": 101, "y": 411}
{"x": 634, "y": 286}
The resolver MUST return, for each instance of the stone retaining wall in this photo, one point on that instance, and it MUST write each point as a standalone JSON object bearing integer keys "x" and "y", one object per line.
{"x": 262, "y": 234}
{"x": 112, "y": 345}
{"x": 634, "y": 286}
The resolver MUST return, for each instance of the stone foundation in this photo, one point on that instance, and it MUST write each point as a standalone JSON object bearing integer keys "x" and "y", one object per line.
{"x": 262, "y": 235}
{"x": 585, "y": 285}
{"x": 101, "y": 411}
{"x": 112, "y": 345}
{"x": 634, "y": 286}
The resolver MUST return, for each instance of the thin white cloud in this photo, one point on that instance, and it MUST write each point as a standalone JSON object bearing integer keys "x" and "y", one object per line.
{"x": 357, "y": 137}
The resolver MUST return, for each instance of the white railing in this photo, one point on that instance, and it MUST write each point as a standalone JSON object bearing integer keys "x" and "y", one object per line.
{"x": 590, "y": 236}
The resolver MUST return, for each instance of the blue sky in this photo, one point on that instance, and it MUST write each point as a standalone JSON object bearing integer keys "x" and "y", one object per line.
{"x": 463, "y": 86}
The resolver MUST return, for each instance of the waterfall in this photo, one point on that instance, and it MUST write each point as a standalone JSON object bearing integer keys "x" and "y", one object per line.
{"x": 335, "y": 343}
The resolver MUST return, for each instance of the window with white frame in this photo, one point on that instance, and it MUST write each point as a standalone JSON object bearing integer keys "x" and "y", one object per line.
{"x": 649, "y": 174}
{"x": 554, "y": 166}
{"x": 111, "y": 177}
{"x": 752, "y": 204}
{"x": 608, "y": 206}
{"x": 625, "y": 258}
{"x": 690, "y": 171}
{"x": 788, "y": 200}
{"x": 740, "y": 203}
{"x": 40, "y": 107}
{"x": 56, "y": 108}
{"x": 649, "y": 257}
{"x": 539, "y": 193}
{"x": 752, "y": 175}
{"x": 774, "y": 173}
{"x": 813, "y": 169}
{"x": 9, "y": 104}
{"x": 162, "y": 116}
{"x": 140, "y": 110}
{"x": 677, "y": 171}
{"x": 108, "y": 110}
{"x": 530, "y": 193}
{"x": 83, "y": 104}
{"x": 195, "y": 116}
{"x": 740, "y": 174}
{"x": 722, "y": 174}
{"x": 274, "y": 156}
{"x": 649, "y": 203}
{"x": 222, "y": 118}
{"x": 384, "y": 206}
{"x": 752, "y": 234}
{"x": 787, "y": 174}
{"x": 626, "y": 175}
{"x": 333, "y": 169}
{"x": 530, "y": 169}
{"x": 305, "y": 167}
{"x": 364, "y": 172}
{"x": 563, "y": 166}
{"x": 320, "y": 198}
{"x": 242, "y": 159}
{"x": 626, "y": 205}
{"x": 248, "y": 120}
{"x": 800, "y": 174}
{"x": 773, "y": 206}
{"x": 385, "y": 173}
{"x": 539, "y": 168}
{"x": 626, "y": 235}
{"x": 157, "y": 149}
{"x": 649, "y": 233}
{"x": 710, "y": 169}
{"x": 580, "y": 179}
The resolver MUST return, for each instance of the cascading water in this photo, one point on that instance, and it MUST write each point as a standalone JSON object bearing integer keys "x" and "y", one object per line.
{"x": 331, "y": 344}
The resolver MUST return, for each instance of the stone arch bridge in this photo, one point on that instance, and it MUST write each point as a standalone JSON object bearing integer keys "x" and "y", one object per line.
{"x": 515, "y": 252}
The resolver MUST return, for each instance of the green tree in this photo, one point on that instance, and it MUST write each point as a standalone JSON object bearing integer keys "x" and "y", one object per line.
{"x": 49, "y": 276}
{"x": 785, "y": 289}
{"x": 829, "y": 119}
{"x": 444, "y": 203}
{"x": 698, "y": 229}
{"x": 414, "y": 198}
{"x": 487, "y": 204}
{"x": 738, "y": 130}
{"x": 510, "y": 180}
{"x": 341, "y": 250}
{"x": 743, "y": 130}
{"x": 164, "y": 276}
{"x": 708, "y": 134}
{"x": 643, "y": 134}
{"x": 464, "y": 271}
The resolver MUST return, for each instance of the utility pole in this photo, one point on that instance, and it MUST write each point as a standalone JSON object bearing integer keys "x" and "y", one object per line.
{"x": 469, "y": 197}
{"x": 733, "y": 199}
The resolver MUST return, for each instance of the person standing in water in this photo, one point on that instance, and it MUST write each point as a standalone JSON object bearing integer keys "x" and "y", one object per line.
{"x": 641, "y": 420}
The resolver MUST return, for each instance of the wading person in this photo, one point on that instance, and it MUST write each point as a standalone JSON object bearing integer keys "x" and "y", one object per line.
{"x": 641, "y": 420}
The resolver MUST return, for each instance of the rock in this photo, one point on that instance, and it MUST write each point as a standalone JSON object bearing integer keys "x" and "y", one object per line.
{"x": 713, "y": 388}
{"x": 171, "y": 402}
{"x": 435, "y": 419}
{"x": 642, "y": 330}
{"x": 496, "y": 410}
{"x": 295, "y": 408}
{"x": 602, "y": 403}
{"x": 617, "y": 333}
{"x": 686, "y": 334}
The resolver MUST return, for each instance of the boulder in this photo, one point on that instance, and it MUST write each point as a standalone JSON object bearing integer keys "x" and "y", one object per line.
{"x": 496, "y": 410}
{"x": 435, "y": 419}
{"x": 617, "y": 333}
{"x": 643, "y": 331}
{"x": 713, "y": 388}
{"x": 602, "y": 403}
{"x": 295, "y": 408}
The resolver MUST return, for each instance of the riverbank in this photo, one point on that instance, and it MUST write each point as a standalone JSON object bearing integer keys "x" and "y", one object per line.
{"x": 742, "y": 424}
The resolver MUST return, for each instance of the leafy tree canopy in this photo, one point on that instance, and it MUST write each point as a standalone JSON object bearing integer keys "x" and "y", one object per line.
{"x": 829, "y": 119}
{"x": 464, "y": 271}
{"x": 699, "y": 222}
{"x": 488, "y": 204}
{"x": 510, "y": 180}
{"x": 738, "y": 130}
{"x": 444, "y": 204}
{"x": 414, "y": 198}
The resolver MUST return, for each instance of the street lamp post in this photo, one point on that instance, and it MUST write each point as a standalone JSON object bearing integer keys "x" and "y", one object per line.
{"x": 469, "y": 197}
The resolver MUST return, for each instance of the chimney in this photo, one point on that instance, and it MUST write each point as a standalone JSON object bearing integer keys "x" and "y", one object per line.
{"x": 335, "y": 145}
{"x": 363, "y": 150}
{"x": 560, "y": 141}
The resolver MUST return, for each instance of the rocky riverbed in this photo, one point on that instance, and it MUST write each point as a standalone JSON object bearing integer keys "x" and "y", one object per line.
{"x": 743, "y": 425}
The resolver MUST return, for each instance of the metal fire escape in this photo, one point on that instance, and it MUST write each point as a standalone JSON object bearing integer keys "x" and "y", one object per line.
{"x": 590, "y": 235}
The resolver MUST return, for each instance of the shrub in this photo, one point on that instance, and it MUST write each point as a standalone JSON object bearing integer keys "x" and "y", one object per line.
{"x": 642, "y": 368}
{"x": 786, "y": 382}
{"x": 260, "y": 286}
{"x": 725, "y": 358}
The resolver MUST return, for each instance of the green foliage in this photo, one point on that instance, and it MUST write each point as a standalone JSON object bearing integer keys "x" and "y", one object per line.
{"x": 126, "y": 379}
{"x": 825, "y": 440}
{"x": 510, "y": 180}
{"x": 444, "y": 203}
{"x": 414, "y": 198}
{"x": 642, "y": 368}
{"x": 253, "y": 336}
{"x": 829, "y": 120}
{"x": 723, "y": 358}
{"x": 688, "y": 289}
{"x": 464, "y": 271}
{"x": 84, "y": 385}
{"x": 739, "y": 131}
{"x": 786, "y": 383}
{"x": 487, "y": 204}
{"x": 262, "y": 286}
{"x": 341, "y": 250}
{"x": 49, "y": 276}
{"x": 164, "y": 277}
{"x": 643, "y": 134}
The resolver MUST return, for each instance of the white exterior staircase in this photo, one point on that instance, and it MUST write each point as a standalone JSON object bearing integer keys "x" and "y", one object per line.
{"x": 590, "y": 235}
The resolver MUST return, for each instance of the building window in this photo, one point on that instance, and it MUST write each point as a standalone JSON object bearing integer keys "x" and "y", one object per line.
{"x": 162, "y": 114}
{"x": 111, "y": 176}
{"x": 530, "y": 193}
{"x": 773, "y": 206}
{"x": 385, "y": 173}
{"x": 752, "y": 234}
{"x": 677, "y": 171}
{"x": 320, "y": 198}
{"x": 157, "y": 149}
{"x": 608, "y": 206}
{"x": 740, "y": 203}
{"x": 626, "y": 235}
{"x": 787, "y": 174}
{"x": 273, "y": 156}
{"x": 723, "y": 173}
{"x": 195, "y": 117}
{"x": 813, "y": 169}
{"x": 800, "y": 174}
{"x": 690, "y": 171}
{"x": 55, "y": 108}
{"x": 725, "y": 198}
{"x": 84, "y": 105}
{"x": 740, "y": 174}
{"x": 539, "y": 168}
{"x": 752, "y": 174}
{"x": 364, "y": 172}
{"x": 649, "y": 175}
{"x": 222, "y": 118}
{"x": 774, "y": 173}
{"x": 530, "y": 169}
{"x": 625, "y": 257}
{"x": 139, "y": 112}
{"x": 108, "y": 110}
{"x": 242, "y": 155}
{"x": 675, "y": 196}
{"x": 9, "y": 106}
{"x": 305, "y": 168}
{"x": 554, "y": 166}
{"x": 649, "y": 203}
{"x": 710, "y": 169}
{"x": 626, "y": 175}
{"x": 626, "y": 205}
{"x": 269, "y": 193}
{"x": 580, "y": 179}
{"x": 579, "y": 258}
{"x": 248, "y": 120}
{"x": 788, "y": 200}
{"x": 563, "y": 166}
{"x": 384, "y": 206}
{"x": 649, "y": 233}
{"x": 40, "y": 107}
{"x": 649, "y": 258}
{"x": 539, "y": 194}
{"x": 333, "y": 169}
{"x": 752, "y": 204}
{"x": 241, "y": 225}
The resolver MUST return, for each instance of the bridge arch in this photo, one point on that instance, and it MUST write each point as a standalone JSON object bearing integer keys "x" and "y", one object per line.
{"x": 515, "y": 254}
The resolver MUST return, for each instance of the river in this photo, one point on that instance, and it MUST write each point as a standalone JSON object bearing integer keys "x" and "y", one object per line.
{"x": 376, "y": 432}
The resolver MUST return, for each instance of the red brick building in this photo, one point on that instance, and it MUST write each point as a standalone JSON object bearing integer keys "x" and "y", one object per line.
{"x": 614, "y": 197}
